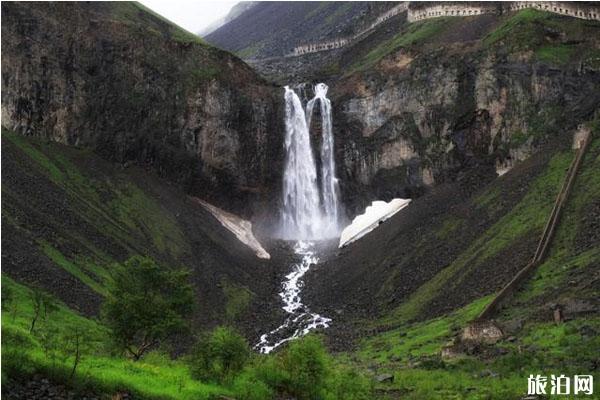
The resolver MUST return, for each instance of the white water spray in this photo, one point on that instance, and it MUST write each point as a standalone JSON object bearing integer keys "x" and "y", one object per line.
{"x": 301, "y": 217}
{"x": 329, "y": 182}
{"x": 307, "y": 214}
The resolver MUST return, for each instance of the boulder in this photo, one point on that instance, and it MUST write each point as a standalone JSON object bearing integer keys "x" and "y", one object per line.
{"x": 385, "y": 378}
{"x": 482, "y": 332}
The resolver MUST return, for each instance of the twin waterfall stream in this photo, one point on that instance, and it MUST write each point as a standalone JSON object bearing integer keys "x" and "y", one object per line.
{"x": 310, "y": 209}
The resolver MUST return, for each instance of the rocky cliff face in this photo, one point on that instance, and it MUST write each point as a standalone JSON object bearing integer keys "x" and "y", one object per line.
{"x": 415, "y": 103}
{"x": 123, "y": 81}
{"x": 426, "y": 111}
{"x": 420, "y": 129}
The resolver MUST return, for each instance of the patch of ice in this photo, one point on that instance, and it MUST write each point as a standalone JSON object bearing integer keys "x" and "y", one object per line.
{"x": 374, "y": 215}
{"x": 241, "y": 228}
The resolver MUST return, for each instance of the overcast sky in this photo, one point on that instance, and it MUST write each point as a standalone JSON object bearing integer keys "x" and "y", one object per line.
{"x": 191, "y": 15}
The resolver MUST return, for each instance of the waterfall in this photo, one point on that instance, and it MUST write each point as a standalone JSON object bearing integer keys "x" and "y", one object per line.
{"x": 301, "y": 209}
{"x": 329, "y": 182}
{"x": 308, "y": 213}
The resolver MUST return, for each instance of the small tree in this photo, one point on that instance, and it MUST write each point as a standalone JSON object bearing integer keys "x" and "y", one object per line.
{"x": 76, "y": 342}
{"x": 146, "y": 305}
{"x": 7, "y": 296}
{"x": 43, "y": 305}
{"x": 52, "y": 343}
{"x": 219, "y": 355}
{"x": 9, "y": 301}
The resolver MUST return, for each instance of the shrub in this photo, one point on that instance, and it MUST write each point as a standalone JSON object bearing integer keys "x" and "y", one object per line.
{"x": 238, "y": 300}
{"x": 347, "y": 384}
{"x": 52, "y": 344}
{"x": 268, "y": 369}
{"x": 220, "y": 355}
{"x": 303, "y": 371}
{"x": 307, "y": 364}
{"x": 249, "y": 387}
{"x": 146, "y": 305}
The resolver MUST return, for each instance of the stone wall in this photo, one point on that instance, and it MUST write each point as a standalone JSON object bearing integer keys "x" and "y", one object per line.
{"x": 466, "y": 9}
{"x": 341, "y": 42}
{"x": 572, "y": 9}
{"x": 450, "y": 10}
{"x": 320, "y": 46}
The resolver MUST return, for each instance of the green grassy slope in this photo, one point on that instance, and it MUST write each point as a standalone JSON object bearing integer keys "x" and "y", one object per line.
{"x": 553, "y": 39}
{"x": 302, "y": 370}
{"x": 70, "y": 218}
{"x": 549, "y": 38}
{"x": 411, "y": 36}
{"x": 50, "y": 351}
{"x": 526, "y": 219}
{"x": 533, "y": 343}
{"x": 117, "y": 209}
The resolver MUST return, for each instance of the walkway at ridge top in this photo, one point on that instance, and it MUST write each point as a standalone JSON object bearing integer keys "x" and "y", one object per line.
{"x": 571, "y": 9}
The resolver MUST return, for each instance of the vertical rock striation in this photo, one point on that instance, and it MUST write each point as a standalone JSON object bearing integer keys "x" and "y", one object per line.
{"x": 119, "y": 79}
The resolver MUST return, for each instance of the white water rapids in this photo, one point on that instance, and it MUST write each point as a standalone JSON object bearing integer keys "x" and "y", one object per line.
{"x": 308, "y": 214}
{"x": 300, "y": 320}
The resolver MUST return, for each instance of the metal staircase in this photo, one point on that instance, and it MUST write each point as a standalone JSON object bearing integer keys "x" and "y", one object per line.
{"x": 547, "y": 234}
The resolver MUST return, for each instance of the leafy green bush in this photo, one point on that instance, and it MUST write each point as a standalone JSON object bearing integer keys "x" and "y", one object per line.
{"x": 146, "y": 305}
{"x": 238, "y": 300}
{"x": 220, "y": 355}
{"x": 268, "y": 369}
{"x": 304, "y": 371}
{"x": 307, "y": 364}
{"x": 249, "y": 387}
{"x": 347, "y": 384}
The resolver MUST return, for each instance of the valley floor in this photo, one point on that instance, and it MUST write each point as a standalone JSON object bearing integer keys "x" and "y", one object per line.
{"x": 406, "y": 341}
{"x": 402, "y": 342}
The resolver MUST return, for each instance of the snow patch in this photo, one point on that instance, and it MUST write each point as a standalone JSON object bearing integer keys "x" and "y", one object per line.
{"x": 241, "y": 228}
{"x": 374, "y": 215}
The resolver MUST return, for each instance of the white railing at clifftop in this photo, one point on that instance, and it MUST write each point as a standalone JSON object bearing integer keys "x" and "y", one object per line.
{"x": 570, "y": 9}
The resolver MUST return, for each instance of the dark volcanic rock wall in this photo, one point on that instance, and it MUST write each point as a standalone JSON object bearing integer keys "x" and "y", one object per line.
{"x": 427, "y": 110}
{"x": 423, "y": 126}
{"x": 132, "y": 86}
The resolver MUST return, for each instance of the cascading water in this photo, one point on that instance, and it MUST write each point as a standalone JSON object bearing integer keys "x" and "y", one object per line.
{"x": 307, "y": 215}
{"x": 301, "y": 210}
{"x": 329, "y": 182}
{"x": 300, "y": 320}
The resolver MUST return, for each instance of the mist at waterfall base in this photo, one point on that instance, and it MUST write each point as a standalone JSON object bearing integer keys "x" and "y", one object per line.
{"x": 310, "y": 210}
